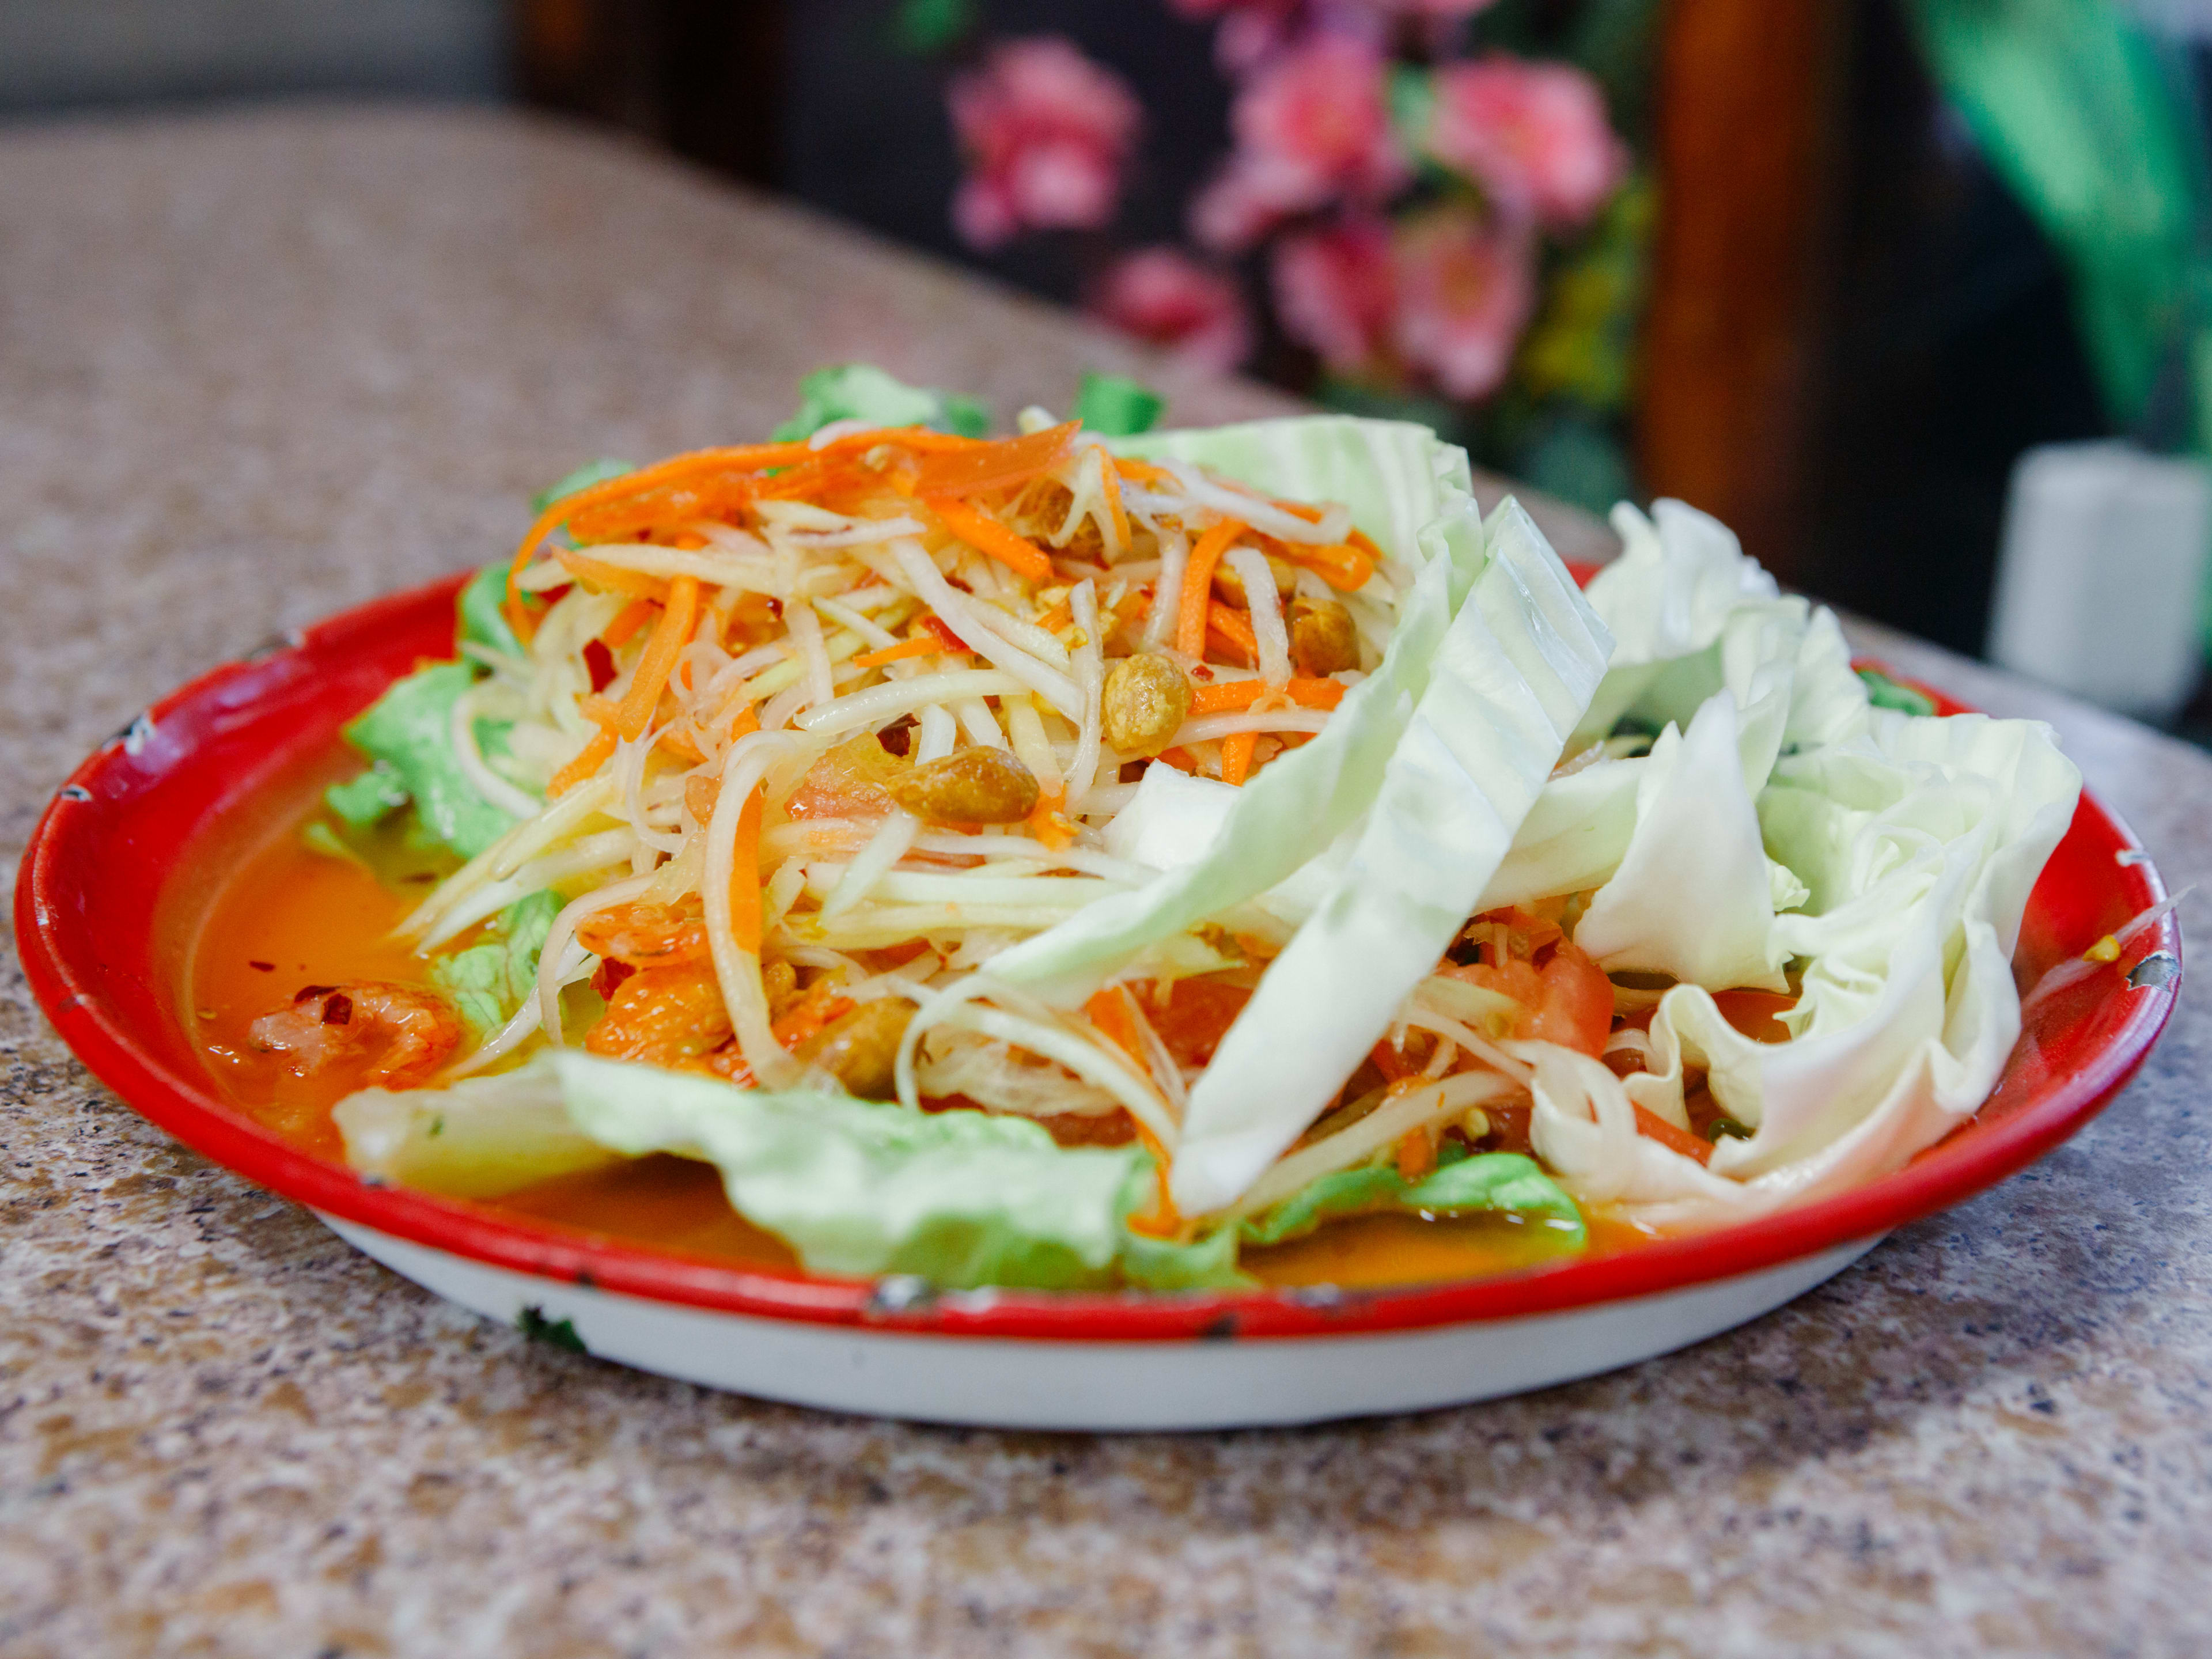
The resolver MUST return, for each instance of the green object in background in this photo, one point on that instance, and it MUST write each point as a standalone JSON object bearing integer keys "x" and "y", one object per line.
{"x": 2073, "y": 105}
{"x": 1115, "y": 407}
{"x": 1582, "y": 344}
{"x": 861, "y": 392}
{"x": 925, "y": 27}
{"x": 2092, "y": 126}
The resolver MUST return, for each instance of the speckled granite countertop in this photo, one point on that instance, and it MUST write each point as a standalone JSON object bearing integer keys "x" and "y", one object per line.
{"x": 255, "y": 369}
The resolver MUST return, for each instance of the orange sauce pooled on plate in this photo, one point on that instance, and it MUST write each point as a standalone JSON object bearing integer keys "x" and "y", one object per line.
{"x": 291, "y": 917}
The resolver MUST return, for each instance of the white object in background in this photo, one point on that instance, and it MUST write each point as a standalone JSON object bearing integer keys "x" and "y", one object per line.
{"x": 2100, "y": 575}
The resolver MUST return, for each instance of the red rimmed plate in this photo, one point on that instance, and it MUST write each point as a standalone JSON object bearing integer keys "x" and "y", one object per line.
{"x": 103, "y": 924}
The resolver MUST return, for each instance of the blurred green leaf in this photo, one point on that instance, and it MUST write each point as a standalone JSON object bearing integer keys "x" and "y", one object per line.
{"x": 925, "y": 27}
{"x": 1579, "y": 458}
{"x": 1582, "y": 344}
{"x": 1114, "y": 406}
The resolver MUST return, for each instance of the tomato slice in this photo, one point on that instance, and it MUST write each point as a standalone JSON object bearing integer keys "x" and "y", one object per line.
{"x": 1198, "y": 1014}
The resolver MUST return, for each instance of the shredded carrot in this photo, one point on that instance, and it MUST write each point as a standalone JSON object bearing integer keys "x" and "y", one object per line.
{"x": 995, "y": 465}
{"x": 1343, "y": 566}
{"x": 628, "y": 620}
{"x": 920, "y": 646}
{"x": 1141, "y": 472}
{"x": 987, "y": 535}
{"x": 1191, "y": 613}
{"x": 1225, "y": 696}
{"x": 745, "y": 878}
{"x": 611, "y": 578}
{"x": 922, "y": 440}
{"x": 1160, "y": 1218}
{"x": 1417, "y": 1154}
{"x": 843, "y": 461}
{"x": 930, "y": 638}
{"x": 670, "y": 635}
{"x": 744, "y": 457}
{"x": 1048, "y": 822}
{"x": 1110, "y": 1012}
{"x": 1109, "y": 484}
{"x": 1236, "y": 757}
{"x": 1180, "y": 757}
{"x": 594, "y": 755}
{"x": 1057, "y": 618}
{"x": 1651, "y": 1125}
{"x": 1233, "y": 626}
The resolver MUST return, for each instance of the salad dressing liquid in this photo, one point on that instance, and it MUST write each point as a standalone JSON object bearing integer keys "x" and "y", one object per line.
{"x": 290, "y": 917}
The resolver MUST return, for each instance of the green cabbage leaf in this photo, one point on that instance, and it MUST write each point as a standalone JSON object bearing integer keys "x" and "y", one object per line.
{"x": 961, "y": 1198}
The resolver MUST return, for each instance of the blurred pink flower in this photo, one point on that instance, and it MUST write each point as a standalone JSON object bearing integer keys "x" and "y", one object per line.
{"x": 1335, "y": 291}
{"x": 1438, "y": 10}
{"x": 1251, "y": 31}
{"x": 1465, "y": 292}
{"x": 1164, "y": 295}
{"x": 1311, "y": 126}
{"x": 1534, "y": 135}
{"x": 1045, "y": 132}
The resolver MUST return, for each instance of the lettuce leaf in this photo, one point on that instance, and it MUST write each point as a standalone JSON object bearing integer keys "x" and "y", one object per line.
{"x": 489, "y": 982}
{"x": 480, "y": 1137}
{"x": 482, "y": 608}
{"x": 861, "y": 392}
{"x": 958, "y": 1198}
{"x": 368, "y": 799}
{"x": 1472, "y": 1184}
{"x": 408, "y": 732}
{"x": 1508, "y": 683}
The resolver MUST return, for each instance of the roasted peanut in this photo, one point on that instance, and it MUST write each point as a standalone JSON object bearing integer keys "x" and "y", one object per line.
{"x": 1146, "y": 698}
{"x": 1231, "y": 587}
{"x": 859, "y": 1048}
{"x": 1323, "y": 638}
{"x": 969, "y": 786}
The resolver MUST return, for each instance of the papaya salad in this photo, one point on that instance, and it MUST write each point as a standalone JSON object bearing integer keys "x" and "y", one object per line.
{"x": 1083, "y": 858}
